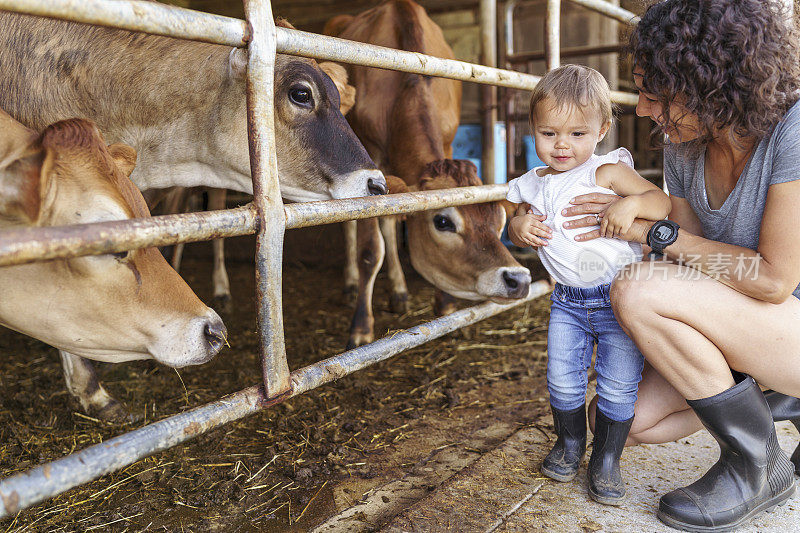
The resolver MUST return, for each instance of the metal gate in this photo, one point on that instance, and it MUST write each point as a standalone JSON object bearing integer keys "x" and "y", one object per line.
{"x": 267, "y": 217}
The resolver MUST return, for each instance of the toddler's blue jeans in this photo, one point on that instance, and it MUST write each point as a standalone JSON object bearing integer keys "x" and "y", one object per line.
{"x": 579, "y": 319}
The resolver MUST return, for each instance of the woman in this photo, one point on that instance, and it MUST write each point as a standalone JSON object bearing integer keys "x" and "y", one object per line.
{"x": 720, "y": 78}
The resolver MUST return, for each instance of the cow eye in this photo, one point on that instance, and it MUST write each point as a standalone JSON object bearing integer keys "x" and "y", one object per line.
{"x": 300, "y": 96}
{"x": 442, "y": 223}
{"x": 120, "y": 255}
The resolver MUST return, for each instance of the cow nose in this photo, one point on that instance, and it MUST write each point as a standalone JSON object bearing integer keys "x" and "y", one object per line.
{"x": 517, "y": 283}
{"x": 376, "y": 187}
{"x": 216, "y": 334}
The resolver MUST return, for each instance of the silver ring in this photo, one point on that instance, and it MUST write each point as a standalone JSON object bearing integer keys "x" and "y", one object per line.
{"x": 597, "y": 218}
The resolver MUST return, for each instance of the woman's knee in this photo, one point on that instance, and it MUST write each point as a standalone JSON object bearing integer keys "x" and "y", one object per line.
{"x": 636, "y": 291}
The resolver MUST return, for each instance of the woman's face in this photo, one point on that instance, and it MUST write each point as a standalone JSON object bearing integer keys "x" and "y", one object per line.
{"x": 683, "y": 126}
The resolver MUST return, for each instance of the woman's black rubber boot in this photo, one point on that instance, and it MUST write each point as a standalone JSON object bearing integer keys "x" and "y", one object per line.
{"x": 752, "y": 474}
{"x": 564, "y": 459}
{"x": 785, "y": 407}
{"x": 605, "y": 479}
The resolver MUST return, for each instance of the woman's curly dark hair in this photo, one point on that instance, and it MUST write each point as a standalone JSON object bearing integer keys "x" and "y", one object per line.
{"x": 732, "y": 62}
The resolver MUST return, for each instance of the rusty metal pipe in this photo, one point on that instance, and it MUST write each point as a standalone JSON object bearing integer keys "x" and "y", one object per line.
{"x": 266, "y": 194}
{"x": 610, "y": 10}
{"x": 315, "y": 213}
{"x": 552, "y": 43}
{"x": 524, "y": 57}
{"x": 137, "y": 15}
{"x": 45, "y": 481}
{"x": 178, "y": 22}
{"x": 25, "y": 245}
{"x": 488, "y": 27}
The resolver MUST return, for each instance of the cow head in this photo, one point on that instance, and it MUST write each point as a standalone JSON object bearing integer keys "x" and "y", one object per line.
{"x": 319, "y": 156}
{"x": 113, "y": 307}
{"x": 458, "y": 249}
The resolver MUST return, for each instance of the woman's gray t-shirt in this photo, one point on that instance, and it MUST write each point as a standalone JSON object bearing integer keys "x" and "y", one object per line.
{"x": 738, "y": 221}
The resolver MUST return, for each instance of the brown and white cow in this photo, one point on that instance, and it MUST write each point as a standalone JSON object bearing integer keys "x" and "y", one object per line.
{"x": 181, "y": 200}
{"x": 407, "y": 123}
{"x": 181, "y": 104}
{"x": 113, "y": 307}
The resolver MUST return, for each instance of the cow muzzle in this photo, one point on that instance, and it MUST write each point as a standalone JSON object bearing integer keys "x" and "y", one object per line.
{"x": 505, "y": 283}
{"x": 359, "y": 184}
{"x": 196, "y": 342}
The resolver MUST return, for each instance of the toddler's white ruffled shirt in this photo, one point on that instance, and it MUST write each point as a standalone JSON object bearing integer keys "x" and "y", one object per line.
{"x": 570, "y": 262}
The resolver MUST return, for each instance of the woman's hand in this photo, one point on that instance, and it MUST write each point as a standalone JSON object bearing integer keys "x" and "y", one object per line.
{"x": 597, "y": 203}
{"x": 529, "y": 230}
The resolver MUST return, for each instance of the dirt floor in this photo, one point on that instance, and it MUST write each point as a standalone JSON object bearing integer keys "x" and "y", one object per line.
{"x": 293, "y": 466}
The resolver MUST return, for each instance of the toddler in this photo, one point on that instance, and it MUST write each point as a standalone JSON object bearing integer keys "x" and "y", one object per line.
{"x": 570, "y": 113}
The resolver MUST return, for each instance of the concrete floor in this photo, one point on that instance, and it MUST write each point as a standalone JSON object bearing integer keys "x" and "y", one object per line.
{"x": 460, "y": 490}
{"x": 482, "y": 496}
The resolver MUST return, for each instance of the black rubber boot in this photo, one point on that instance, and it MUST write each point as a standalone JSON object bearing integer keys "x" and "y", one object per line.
{"x": 785, "y": 407}
{"x": 605, "y": 479}
{"x": 564, "y": 459}
{"x": 752, "y": 474}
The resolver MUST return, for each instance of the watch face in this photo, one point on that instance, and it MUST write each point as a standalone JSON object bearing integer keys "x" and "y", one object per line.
{"x": 664, "y": 233}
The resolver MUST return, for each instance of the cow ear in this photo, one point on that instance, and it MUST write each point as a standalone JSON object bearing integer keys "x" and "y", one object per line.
{"x": 509, "y": 208}
{"x": 281, "y": 22}
{"x": 396, "y": 185}
{"x": 124, "y": 156}
{"x": 347, "y": 99}
{"x": 347, "y": 93}
{"x": 21, "y": 168}
{"x": 335, "y": 26}
{"x": 237, "y": 63}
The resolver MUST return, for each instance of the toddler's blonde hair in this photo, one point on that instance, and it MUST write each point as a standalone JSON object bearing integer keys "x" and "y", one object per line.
{"x": 574, "y": 85}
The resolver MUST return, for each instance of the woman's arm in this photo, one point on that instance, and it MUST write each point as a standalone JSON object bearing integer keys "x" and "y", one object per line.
{"x": 684, "y": 215}
{"x": 770, "y": 274}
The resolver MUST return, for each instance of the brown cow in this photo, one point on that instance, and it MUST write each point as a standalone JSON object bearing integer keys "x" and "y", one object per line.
{"x": 181, "y": 105}
{"x": 178, "y": 199}
{"x": 407, "y": 123}
{"x": 113, "y": 307}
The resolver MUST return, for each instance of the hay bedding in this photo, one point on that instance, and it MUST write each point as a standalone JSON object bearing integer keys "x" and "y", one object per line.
{"x": 273, "y": 471}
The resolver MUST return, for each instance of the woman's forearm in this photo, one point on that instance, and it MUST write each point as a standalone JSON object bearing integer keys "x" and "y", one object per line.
{"x": 740, "y": 268}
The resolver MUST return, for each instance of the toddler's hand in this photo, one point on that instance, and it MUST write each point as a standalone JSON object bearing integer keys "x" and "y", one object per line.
{"x": 618, "y": 218}
{"x": 529, "y": 230}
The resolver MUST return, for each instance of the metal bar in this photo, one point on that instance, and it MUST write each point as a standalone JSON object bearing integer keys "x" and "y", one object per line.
{"x": 48, "y": 480}
{"x": 524, "y": 57}
{"x": 609, "y": 10}
{"x": 509, "y": 27}
{"x": 266, "y": 194}
{"x": 488, "y": 27}
{"x": 138, "y": 15}
{"x": 25, "y": 245}
{"x": 306, "y": 214}
{"x": 231, "y": 32}
{"x": 552, "y": 41}
{"x": 348, "y": 362}
{"x": 295, "y": 42}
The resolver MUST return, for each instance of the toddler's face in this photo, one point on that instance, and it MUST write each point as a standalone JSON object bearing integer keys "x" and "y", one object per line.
{"x": 566, "y": 136}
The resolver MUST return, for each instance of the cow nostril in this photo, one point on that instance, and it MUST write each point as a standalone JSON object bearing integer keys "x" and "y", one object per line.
{"x": 216, "y": 335}
{"x": 375, "y": 187}
{"x": 511, "y": 282}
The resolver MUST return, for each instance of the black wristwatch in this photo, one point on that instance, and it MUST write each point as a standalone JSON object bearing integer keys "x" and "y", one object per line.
{"x": 662, "y": 234}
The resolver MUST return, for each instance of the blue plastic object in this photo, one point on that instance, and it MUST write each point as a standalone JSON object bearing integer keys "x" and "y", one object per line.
{"x": 467, "y": 145}
{"x": 531, "y": 159}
